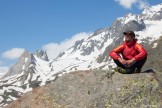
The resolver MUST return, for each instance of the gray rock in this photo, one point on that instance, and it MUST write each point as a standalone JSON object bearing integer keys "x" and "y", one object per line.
{"x": 20, "y": 66}
{"x": 96, "y": 89}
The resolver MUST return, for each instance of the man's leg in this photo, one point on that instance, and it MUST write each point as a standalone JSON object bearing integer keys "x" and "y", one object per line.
{"x": 120, "y": 67}
{"x": 137, "y": 66}
{"x": 125, "y": 69}
{"x": 119, "y": 64}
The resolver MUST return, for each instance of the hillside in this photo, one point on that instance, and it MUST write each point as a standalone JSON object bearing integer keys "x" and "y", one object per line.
{"x": 96, "y": 89}
{"x": 154, "y": 60}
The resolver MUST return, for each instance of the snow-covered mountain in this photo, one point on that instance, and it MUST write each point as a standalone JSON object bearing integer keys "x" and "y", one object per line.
{"x": 33, "y": 70}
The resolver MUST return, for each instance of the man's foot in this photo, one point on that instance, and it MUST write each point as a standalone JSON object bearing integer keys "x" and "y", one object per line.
{"x": 120, "y": 70}
{"x": 137, "y": 70}
{"x": 129, "y": 70}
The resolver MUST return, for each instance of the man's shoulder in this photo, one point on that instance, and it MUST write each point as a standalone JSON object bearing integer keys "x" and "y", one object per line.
{"x": 121, "y": 44}
{"x": 139, "y": 46}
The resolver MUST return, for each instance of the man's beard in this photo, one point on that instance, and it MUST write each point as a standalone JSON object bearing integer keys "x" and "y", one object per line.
{"x": 127, "y": 39}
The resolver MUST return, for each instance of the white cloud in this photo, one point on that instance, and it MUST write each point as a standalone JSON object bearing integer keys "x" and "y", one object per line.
{"x": 3, "y": 70}
{"x": 1, "y": 62}
{"x": 13, "y": 53}
{"x": 53, "y": 49}
{"x": 126, "y": 3}
{"x": 141, "y": 4}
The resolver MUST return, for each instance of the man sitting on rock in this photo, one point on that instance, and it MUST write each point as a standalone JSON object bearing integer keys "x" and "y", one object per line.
{"x": 133, "y": 55}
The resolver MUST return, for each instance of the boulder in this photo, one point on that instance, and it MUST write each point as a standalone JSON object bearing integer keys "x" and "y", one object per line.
{"x": 96, "y": 89}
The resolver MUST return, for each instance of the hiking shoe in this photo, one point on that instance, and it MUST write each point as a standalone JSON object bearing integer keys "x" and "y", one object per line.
{"x": 120, "y": 70}
{"x": 130, "y": 71}
{"x": 137, "y": 70}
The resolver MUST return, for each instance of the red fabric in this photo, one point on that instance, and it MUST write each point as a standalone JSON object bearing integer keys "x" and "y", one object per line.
{"x": 129, "y": 50}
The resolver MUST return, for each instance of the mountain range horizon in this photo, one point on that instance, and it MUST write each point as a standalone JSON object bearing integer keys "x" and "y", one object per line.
{"x": 90, "y": 53}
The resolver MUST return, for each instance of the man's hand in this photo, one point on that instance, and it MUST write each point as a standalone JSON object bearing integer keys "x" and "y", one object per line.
{"x": 129, "y": 62}
{"x": 122, "y": 61}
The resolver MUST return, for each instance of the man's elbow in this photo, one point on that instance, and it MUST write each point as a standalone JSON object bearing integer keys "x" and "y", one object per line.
{"x": 111, "y": 54}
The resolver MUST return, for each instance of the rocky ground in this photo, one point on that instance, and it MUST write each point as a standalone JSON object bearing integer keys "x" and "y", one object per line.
{"x": 96, "y": 89}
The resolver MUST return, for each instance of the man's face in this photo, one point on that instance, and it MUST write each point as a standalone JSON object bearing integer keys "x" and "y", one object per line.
{"x": 128, "y": 38}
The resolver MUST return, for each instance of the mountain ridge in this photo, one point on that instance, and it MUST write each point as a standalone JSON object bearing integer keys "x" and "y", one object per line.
{"x": 34, "y": 70}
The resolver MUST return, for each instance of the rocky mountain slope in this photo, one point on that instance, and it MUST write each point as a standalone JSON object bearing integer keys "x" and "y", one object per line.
{"x": 96, "y": 89}
{"x": 34, "y": 70}
{"x": 154, "y": 60}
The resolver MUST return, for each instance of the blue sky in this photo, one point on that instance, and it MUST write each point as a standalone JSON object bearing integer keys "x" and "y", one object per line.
{"x": 52, "y": 24}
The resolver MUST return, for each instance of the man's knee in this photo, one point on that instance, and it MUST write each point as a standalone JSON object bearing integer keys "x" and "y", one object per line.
{"x": 119, "y": 64}
{"x": 142, "y": 62}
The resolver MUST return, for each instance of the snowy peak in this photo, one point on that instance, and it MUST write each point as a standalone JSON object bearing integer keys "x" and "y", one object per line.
{"x": 41, "y": 54}
{"x": 152, "y": 9}
{"x": 22, "y": 63}
{"x": 24, "y": 55}
{"x": 31, "y": 70}
{"x": 26, "y": 63}
{"x": 152, "y": 13}
{"x": 129, "y": 17}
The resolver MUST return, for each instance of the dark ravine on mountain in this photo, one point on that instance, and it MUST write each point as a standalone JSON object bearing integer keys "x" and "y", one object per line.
{"x": 95, "y": 85}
